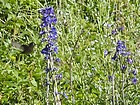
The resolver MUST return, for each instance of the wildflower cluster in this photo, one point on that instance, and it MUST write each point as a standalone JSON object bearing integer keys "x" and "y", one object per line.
{"x": 121, "y": 65}
{"x": 121, "y": 51}
{"x": 121, "y": 55}
{"x": 49, "y": 35}
{"x": 134, "y": 79}
{"x": 118, "y": 23}
{"x": 116, "y": 30}
{"x": 48, "y": 21}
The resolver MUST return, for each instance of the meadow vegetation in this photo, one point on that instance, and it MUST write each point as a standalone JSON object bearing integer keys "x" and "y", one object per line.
{"x": 95, "y": 58}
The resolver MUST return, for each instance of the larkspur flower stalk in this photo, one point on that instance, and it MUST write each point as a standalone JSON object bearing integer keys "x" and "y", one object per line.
{"x": 121, "y": 56}
{"x": 122, "y": 62}
{"x": 120, "y": 68}
{"x": 49, "y": 35}
{"x": 120, "y": 52}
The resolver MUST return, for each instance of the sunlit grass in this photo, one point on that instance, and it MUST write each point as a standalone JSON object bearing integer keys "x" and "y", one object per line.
{"x": 83, "y": 37}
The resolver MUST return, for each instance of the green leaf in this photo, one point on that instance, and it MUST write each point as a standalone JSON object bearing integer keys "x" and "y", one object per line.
{"x": 34, "y": 82}
{"x": 8, "y": 5}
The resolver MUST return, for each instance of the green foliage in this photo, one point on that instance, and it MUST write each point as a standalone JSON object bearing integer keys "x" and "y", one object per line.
{"x": 83, "y": 37}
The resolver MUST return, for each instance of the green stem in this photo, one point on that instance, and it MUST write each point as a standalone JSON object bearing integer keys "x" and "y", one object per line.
{"x": 123, "y": 82}
{"x": 113, "y": 92}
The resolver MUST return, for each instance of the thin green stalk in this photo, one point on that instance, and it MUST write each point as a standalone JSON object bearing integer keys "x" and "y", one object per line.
{"x": 113, "y": 92}
{"x": 72, "y": 55}
{"x": 71, "y": 85}
{"x": 54, "y": 85}
{"x": 123, "y": 82}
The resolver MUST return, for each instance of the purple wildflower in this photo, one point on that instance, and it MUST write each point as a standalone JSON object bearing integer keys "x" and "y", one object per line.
{"x": 114, "y": 32}
{"x": 46, "y": 50}
{"x": 44, "y": 40}
{"x": 129, "y": 60}
{"x": 48, "y": 17}
{"x": 59, "y": 76}
{"x": 105, "y": 53}
{"x": 121, "y": 50}
{"x": 110, "y": 78}
{"x": 134, "y": 80}
{"x": 124, "y": 53}
{"x": 120, "y": 47}
{"x": 121, "y": 28}
{"x": 43, "y": 25}
{"x": 48, "y": 20}
{"x": 123, "y": 68}
{"x": 55, "y": 49}
{"x": 53, "y": 34}
{"x": 57, "y": 60}
{"x": 42, "y": 32}
{"x": 134, "y": 72}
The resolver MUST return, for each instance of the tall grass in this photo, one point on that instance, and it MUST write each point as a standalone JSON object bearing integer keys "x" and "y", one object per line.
{"x": 86, "y": 28}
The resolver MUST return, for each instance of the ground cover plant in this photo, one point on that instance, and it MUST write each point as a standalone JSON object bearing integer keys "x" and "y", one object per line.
{"x": 87, "y": 52}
